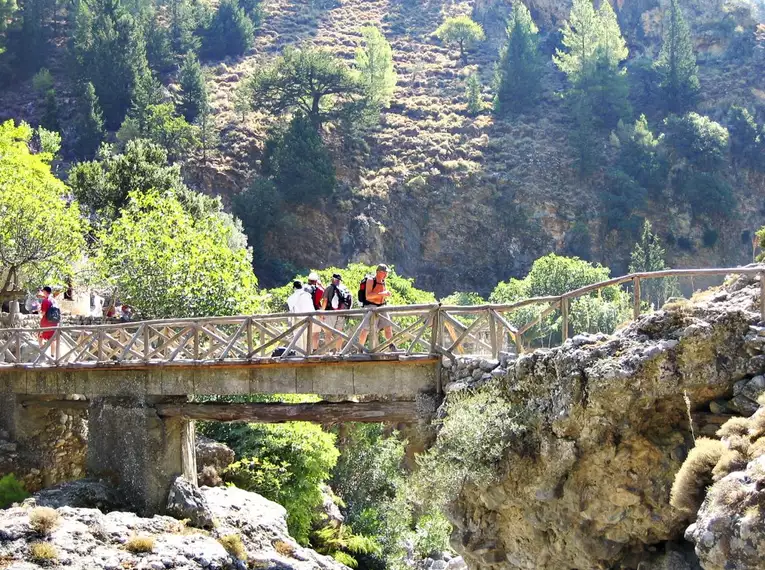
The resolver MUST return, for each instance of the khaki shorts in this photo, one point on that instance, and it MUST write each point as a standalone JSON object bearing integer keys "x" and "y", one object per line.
{"x": 335, "y": 321}
{"x": 383, "y": 320}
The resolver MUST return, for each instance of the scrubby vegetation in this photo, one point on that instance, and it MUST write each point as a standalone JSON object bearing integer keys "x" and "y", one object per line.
{"x": 137, "y": 544}
{"x": 11, "y": 491}
{"x": 234, "y": 546}
{"x": 43, "y": 553}
{"x": 44, "y": 520}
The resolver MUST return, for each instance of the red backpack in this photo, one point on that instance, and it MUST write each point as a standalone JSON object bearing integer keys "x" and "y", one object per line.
{"x": 317, "y": 292}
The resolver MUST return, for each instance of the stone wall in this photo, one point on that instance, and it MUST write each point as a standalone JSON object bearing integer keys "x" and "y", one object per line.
{"x": 42, "y": 446}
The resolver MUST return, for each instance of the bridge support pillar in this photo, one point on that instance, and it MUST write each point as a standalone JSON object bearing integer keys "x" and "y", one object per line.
{"x": 142, "y": 452}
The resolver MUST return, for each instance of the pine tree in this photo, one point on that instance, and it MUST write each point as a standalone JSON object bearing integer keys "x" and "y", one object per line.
{"x": 89, "y": 123}
{"x": 110, "y": 50}
{"x": 300, "y": 163}
{"x": 183, "y": 23}
{"x": 648, "y": 255}
{"x": 519, "y": 71}
{"x": 677, "y": 63}
{"x": 231, "y": 32}
{"x": 611, "y": 44}
{"x": 747, "y": 146}
{"x": 193, "y": 88}
{"x": 147, "y": 92}
{"x": 7, "y": 10}
{"x": 207, "y": 133}
{"x": 581, "y": 38}
{"x": 473, "y": 94}
{"x": 374, "y": 63}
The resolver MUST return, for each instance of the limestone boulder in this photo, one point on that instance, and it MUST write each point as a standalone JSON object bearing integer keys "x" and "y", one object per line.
{"x": 89, "y": 539}
{"x": 186, "y": 501}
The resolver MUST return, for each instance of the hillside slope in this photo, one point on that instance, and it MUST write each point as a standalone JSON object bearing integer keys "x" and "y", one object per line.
{"x": 457, "y": 201}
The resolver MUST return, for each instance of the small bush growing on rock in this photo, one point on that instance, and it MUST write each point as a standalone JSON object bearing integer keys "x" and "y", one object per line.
{"x": 695, "y": 475}
{"x": 731, "y": 460}
{"x": 234, "y": 546}
{"x": 43, "y": 553}
{"x": 209, "y": 477}
{"x": 138, "y": 544}
{"x": 44, "y": 520}
{"x": 11, "y": 491}
{"x": 733, "y": 427}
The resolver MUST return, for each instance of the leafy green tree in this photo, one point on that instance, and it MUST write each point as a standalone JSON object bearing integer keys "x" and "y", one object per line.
{"x": 89, "y": 122}
{"x": 165, "y": 128}
{"x": 41, "y": 235}
{"x": 374, "y": 64}
{"x": 147, "y": 92}
{"x": 677, "y": 63}
{"x": 473, "y": 94}
{"x": 110, "y": 51}
{"x": 622, "y": 197}
{"x": 104, "y": 185}
{"x": 699, "y": 140}
{"x": 184, "y": 269}
{"x": 747, "y": 145}
{"x": 555, "y": 275}
{"x": 193, "y": 88}
{"x": 649, "y": 255}
{"x": 260, "y": 209}
{"x": 28, "y": 37}
{"x": 641, "y": 155}
{"x": 300, "y": 164}
{"x": 519, "y": 72}
{"x": 461, "y": 30}
{"x": 230, "y": 33}
{"x": 312, "y": 82}
{"x": 286, "y": 463}
{"x": 49, "y": 141}
{"x": 159, "y": 49}
{"x": 708, "y": 193}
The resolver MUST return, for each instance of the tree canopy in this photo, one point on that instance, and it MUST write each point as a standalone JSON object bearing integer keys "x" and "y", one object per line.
{"x": 374, "y": 64}
{"x": 311, "y": 81}
{"x": 461, "y": 30}
{"x": 520, "y": 68}
{"x": 41, "y": 236}
{"x": 677, "y": 62}
{"x": 167, "y": 263}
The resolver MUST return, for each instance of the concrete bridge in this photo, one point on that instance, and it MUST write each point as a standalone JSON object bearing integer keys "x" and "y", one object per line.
{"x": 142, "y": 381}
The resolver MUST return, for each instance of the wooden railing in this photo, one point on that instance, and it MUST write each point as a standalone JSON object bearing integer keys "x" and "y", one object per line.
{"x": 416, "y": 331}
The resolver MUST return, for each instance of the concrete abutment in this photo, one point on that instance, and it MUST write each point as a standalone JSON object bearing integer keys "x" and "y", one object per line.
{"x": 142, "y": 452}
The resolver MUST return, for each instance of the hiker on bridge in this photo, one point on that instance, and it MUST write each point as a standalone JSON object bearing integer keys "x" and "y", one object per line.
{"x": 373, "y": 293}
{"x": 51, "y": 317}
{"x": 301, "y": 301}
{"x": 336, "y": 298}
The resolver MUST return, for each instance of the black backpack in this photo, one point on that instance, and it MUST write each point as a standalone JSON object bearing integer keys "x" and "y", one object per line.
{"x": 363, "y": 289}
{"x": 53, "y": 314}
{"x": 344, "y": 299}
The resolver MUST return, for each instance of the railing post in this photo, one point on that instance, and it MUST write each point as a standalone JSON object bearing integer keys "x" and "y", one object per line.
{"x": 309, "y": 340}
{"x": 146, "y": 342}
{"x": 636, "y": 297}
{"x": 564, "y": 305}
{"x": 100, "y": 357}
{"x": 249, "y": 337}
{"x": 435, "y": 326}
{"x": 373, "y": 332}
{"x": 57, "y": 353}
{"x": 196, "y": 342}
{"x": 762, "y": 296}
{"x": 493, "y": 335}
{"x": 519, "y": 342}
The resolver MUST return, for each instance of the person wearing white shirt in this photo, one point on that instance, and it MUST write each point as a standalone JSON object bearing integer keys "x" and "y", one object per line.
{"x": 300, "y": 302}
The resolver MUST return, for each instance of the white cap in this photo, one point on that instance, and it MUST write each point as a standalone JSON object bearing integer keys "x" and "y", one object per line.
{"x": 313, "y": 276}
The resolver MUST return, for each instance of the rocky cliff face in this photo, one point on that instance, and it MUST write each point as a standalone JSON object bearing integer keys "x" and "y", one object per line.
{"x": 610, "y": 418}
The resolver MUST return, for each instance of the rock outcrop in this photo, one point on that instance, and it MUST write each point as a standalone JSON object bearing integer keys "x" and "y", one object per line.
{"x": 609, "y": 418}
{"x": 250, "y": 532}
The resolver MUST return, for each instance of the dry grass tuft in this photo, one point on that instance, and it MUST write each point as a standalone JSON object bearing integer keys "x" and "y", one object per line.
{"x": 284, "y": 548}
{"x": 757, "y": 449}
{"x": 695, "y": 475}
{"x": 730, "y": 461}
{"x": 43, "y": 553}
{"x": 234, "y": 546}
{"x": 740, "y": 443}
{"x": 137, "y": 544}
{"x": 44, "y": 520}
{"x": 757, "y": 424}
{"x": 733, "y": 427}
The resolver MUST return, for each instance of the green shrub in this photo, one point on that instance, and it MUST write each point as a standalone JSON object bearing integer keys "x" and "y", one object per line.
{"x": 710, "y": 237}
{"x": 480, "y": 429}
{"x": 11, "y": 491}
{"x": 286, "y": 463}
{"x": 44, "y": 520}
{"x": 698, "y": 139}
{"x": 432, "y": 534}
